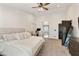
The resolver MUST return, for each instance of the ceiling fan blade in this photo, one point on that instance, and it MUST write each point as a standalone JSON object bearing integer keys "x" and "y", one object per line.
{"x": 46, "y": 4}
{"x": 45, "y": 8}
{"x": 41, "y": 4}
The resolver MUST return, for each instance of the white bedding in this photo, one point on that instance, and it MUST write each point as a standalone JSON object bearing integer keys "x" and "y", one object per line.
{"x": 25, "y": 47}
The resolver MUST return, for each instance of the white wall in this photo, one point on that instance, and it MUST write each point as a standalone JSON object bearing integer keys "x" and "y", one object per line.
{"x": 53, "y": 19}
{"x": 73, "y": 14}
{"x": 14, "y": 18}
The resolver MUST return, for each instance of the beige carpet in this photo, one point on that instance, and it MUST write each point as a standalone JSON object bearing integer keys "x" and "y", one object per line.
{"x": 53, "y": 47}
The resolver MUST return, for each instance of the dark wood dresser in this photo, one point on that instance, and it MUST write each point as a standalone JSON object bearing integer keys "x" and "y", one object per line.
{"x": 74, "y": 47}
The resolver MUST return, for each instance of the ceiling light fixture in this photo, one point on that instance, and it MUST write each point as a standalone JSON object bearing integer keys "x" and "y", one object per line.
{"x": 42, "y": 6}
{"x": 40, "y": 9}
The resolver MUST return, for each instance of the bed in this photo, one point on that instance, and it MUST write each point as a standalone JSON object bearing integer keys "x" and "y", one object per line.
{"x": 24, "y": 47}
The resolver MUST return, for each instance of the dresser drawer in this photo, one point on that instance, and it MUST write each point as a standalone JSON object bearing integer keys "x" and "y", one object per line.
{"x": 74, "y": 47}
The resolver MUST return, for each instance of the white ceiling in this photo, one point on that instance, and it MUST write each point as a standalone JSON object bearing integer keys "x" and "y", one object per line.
{"x": 53, "y": 7}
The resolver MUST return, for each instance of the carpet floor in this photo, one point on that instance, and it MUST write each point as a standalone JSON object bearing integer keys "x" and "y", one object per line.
{"x": 53, "y": 47}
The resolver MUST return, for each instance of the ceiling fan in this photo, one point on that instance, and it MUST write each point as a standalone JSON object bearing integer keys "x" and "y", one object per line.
{"x": 42, "y": 6}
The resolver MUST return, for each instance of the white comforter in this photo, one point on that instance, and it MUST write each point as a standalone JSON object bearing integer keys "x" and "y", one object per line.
{"x": 25, "y": 47}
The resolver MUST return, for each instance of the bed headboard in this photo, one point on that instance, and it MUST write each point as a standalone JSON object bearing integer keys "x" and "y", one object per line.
{"x": 11, "y": 30}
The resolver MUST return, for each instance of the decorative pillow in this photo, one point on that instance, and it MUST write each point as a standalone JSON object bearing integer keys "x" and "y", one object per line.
{"x": 23, "y": 35}
{"x": 27, "y": 34}
{"x": 20, "y": 36}
{"x": 10, "y": 36}
{"x": 15, "y": 36}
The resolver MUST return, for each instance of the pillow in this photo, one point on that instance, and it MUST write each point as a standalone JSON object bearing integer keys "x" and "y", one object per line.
{"x": 23, "y": 35}
{"x": 15, "y": 36}
{"x": 27, "y": 34}
{"x": 20, "y": 36}
{"x": 11, "y": 36}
